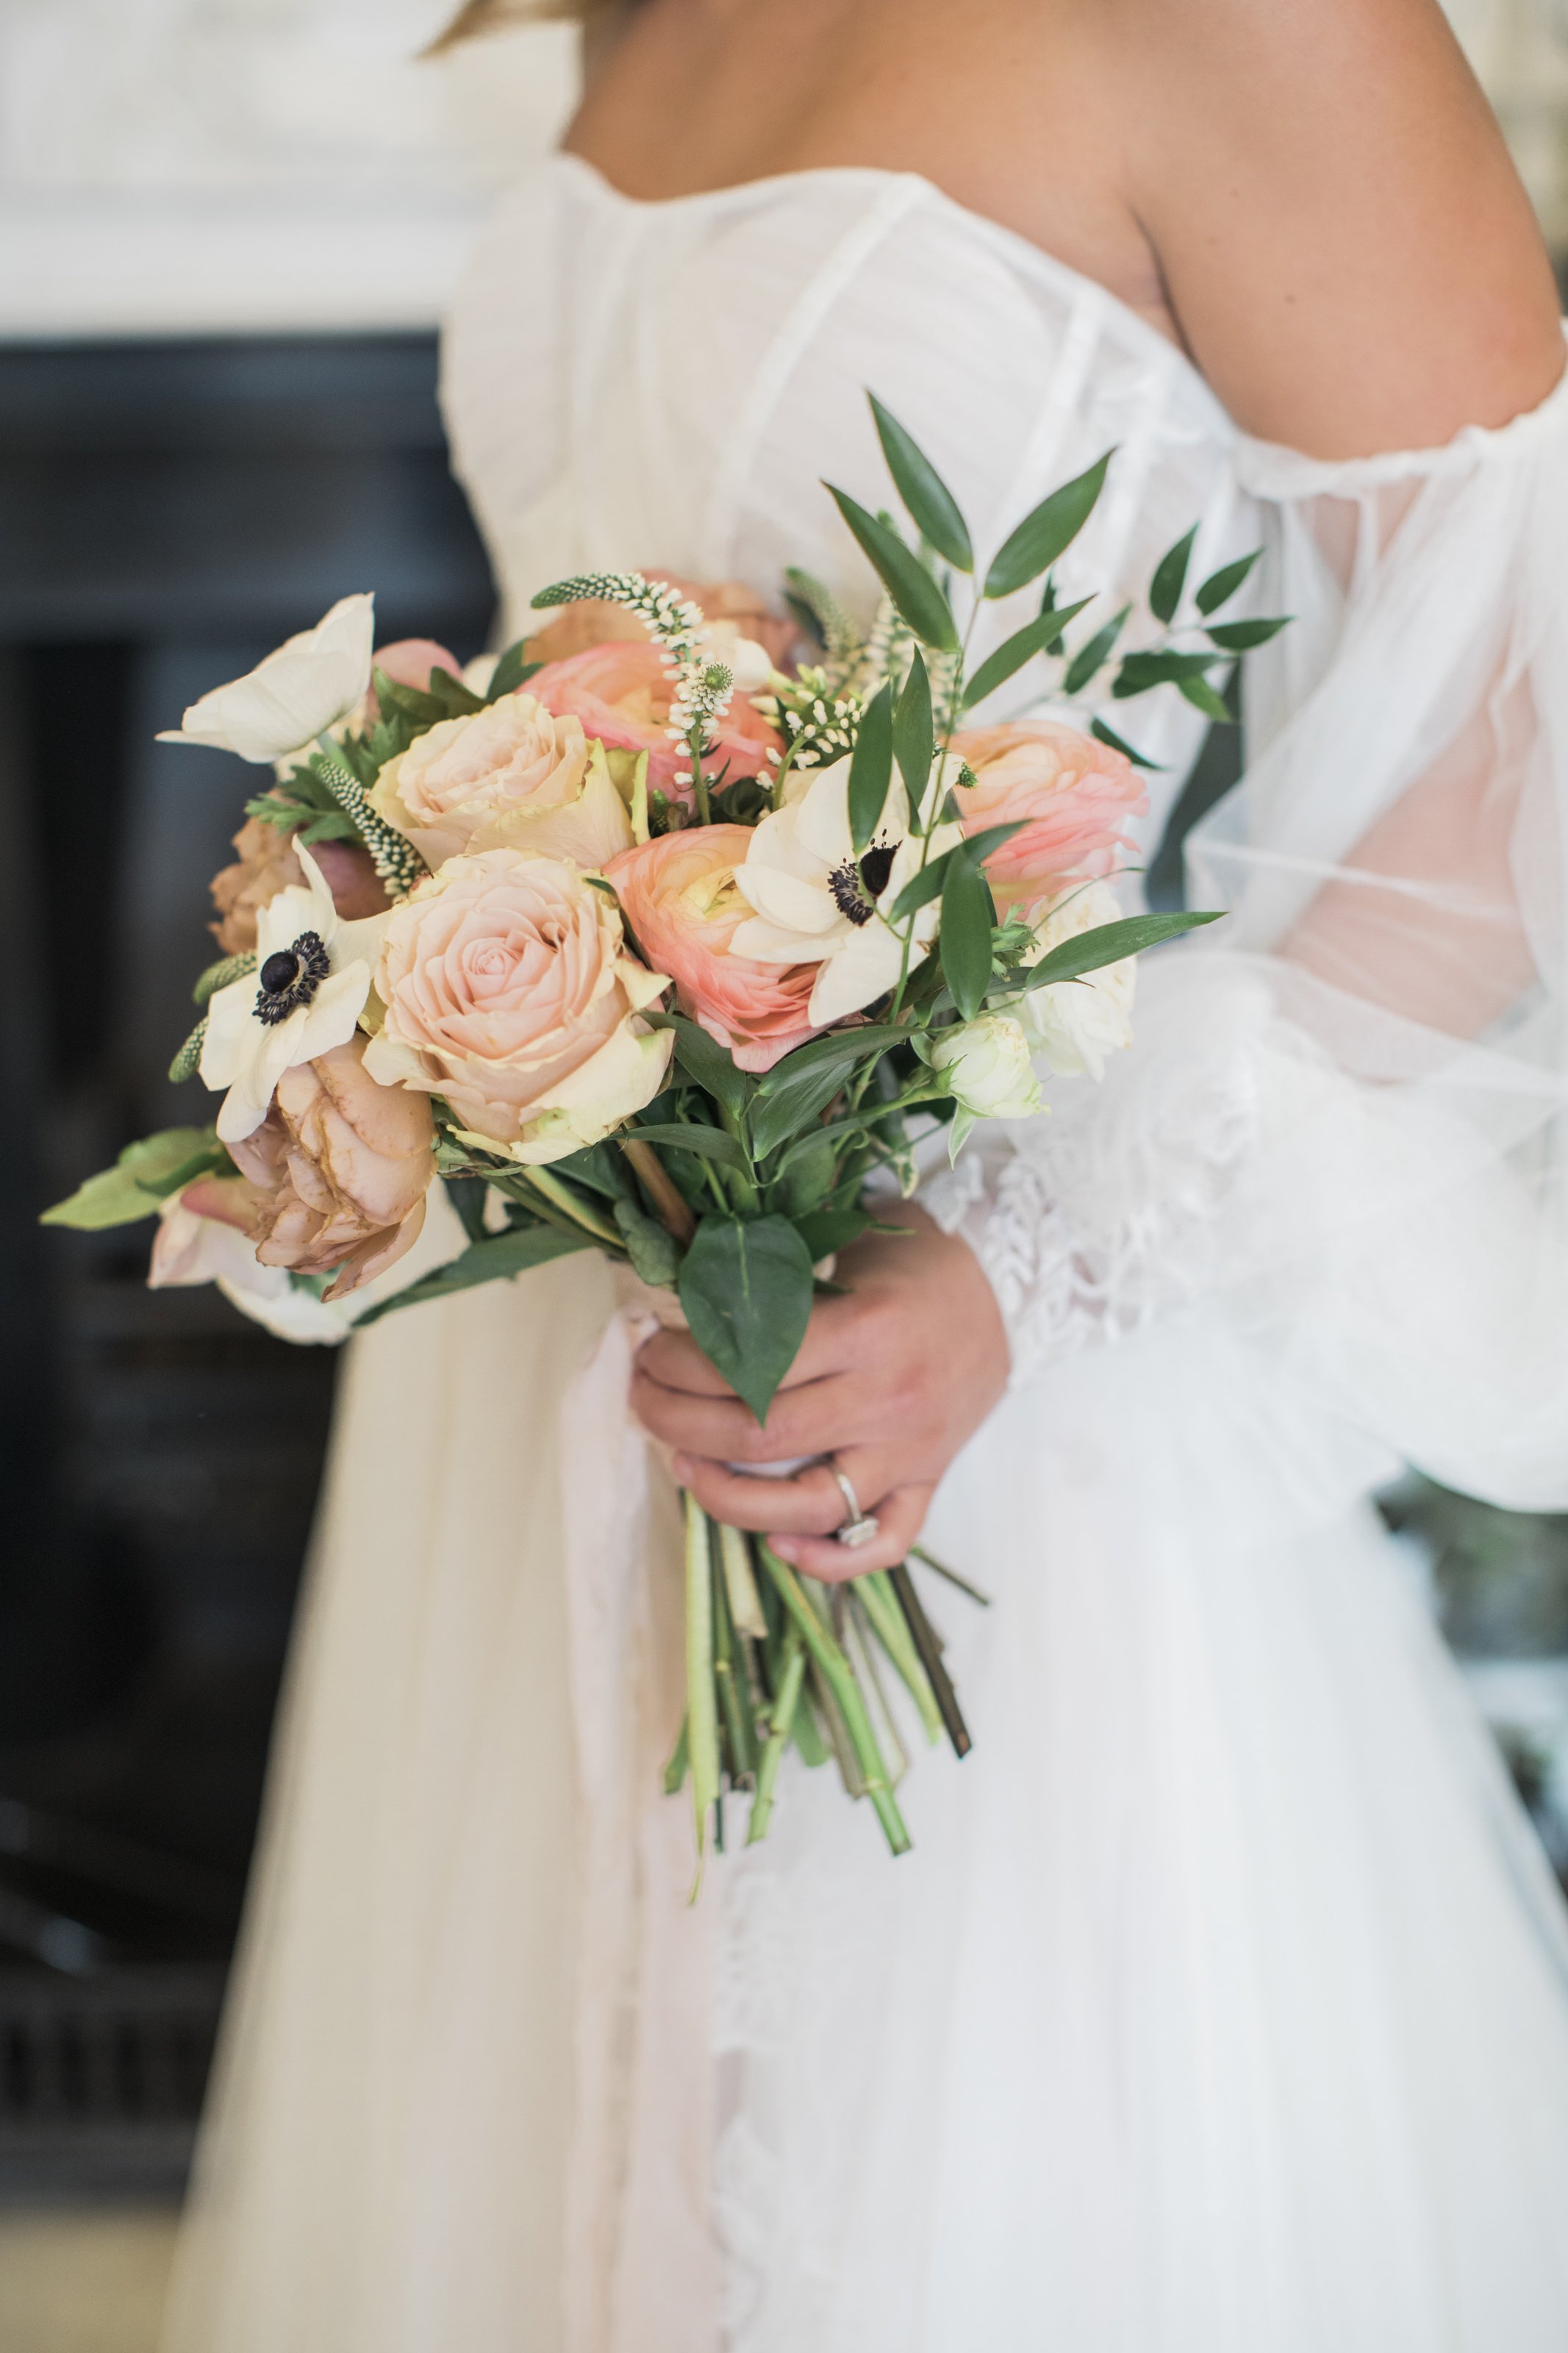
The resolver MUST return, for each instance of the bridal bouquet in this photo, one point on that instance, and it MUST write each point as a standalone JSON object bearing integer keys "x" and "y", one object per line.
{"x": 649, "y": 939}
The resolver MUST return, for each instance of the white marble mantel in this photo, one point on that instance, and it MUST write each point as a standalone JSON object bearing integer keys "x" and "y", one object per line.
{"x": 174, "y": 167}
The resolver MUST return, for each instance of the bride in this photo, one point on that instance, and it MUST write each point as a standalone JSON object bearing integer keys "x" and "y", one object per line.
{"x": 1223, "y": 2001}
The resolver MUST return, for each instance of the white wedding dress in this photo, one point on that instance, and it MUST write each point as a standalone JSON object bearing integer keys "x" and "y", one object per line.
{"x": 1223, "y": 2004}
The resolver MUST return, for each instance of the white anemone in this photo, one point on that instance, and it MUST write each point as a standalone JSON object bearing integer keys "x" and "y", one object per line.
{"x": 816, "y": 902}
{"x": 293, "y": 696}
{"x": 311, "y": 979}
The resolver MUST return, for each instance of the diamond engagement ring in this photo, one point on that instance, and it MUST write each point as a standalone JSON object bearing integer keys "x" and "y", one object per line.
{"x": 860, "y": 1527}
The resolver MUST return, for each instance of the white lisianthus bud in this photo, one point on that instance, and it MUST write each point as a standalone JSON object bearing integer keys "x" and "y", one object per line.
{"x": 293, "y": 696}
{"x": 986, "y": 1063}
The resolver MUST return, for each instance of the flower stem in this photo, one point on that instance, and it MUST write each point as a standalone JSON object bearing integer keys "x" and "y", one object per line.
{"x": 781, "y": 1716}
{"x": 670, "y": 1204}
{"x": 838, "y": 1676}
{"x": 740, "y": 1583}
{"x": 930, "y": 1649}
{"x": 701, "y": 1715}
{"x": 892, "y": 1630}
{"x": 570, "y": 1206}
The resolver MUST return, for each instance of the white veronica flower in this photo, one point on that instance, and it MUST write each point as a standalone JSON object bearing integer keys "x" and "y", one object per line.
{"x": 1074, "y": 1024}
{"x": 816, "y": 903}
{"x": 311, "y": 978}
{"x": 293, "y": 696}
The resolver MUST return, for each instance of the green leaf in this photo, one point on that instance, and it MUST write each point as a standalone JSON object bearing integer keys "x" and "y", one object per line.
{"x": 1037, "y": 637}
{"x": 807, "y": 1174}
{"x": 1170, "y": 577}
{"x": 145, "y": 1173}
{"x": 451, "y": 700}
{"x": 745, "y": 1284}
{"x": 510, "y": 670}
{"x": 914, "y": 742}
{"x": 932, "y": 878}
{"x": 1089, "y": 658}
{"x": 1141, "y": 672}
{"x": 688, "y": 1135}
{"x": 1042, "y": 535}
{"x": 1107, "y": 944}
{"x": 1221, "y": 586}
{"x": 703, "y": 1059}
{"x": 1240, "y": 637}
{"x": 871, "y": 767}
{"x": 798, "y": 1089}
{"x": 496, "y": 1257}
{"x": 824, "y": 1231}
{"x": 903, "y": 575}
{"x": 1208, "y": 699}
{"x": 653, "y": 1253}
{"x": 1109, "y": 735}
{"x": 968, "y": 918}
{"x": 931, "y": 505}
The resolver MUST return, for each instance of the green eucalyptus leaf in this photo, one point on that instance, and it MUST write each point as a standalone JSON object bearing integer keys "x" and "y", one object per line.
{"x": 1221, "y": 586}
{"x": 1118, "y": 743}
{"x": 1107, "y": 944}
{"x": 931, "y": 505}
{"x": 839, "y": 1046}
{"x": 1038, "y": 637}
{"x": 1208, "y": 699}
{"x": 914, "y": 740}
{"x": 825, "y": 1231}
{"x": 1043, "y": 534}
{"x": 1090, "y": 658}
{"x": 510, "y": 672}
{"x": 496, "y": 1257}
{"x": 703, "y": 1059}
{"x": 968, "y": 918}
{"x": 685, "y": 1135}
{"x": 1170, "y": 577}
{"x": 904, "y": 577}
{"x": 746, "y": 1285}
{"x": 146, "y": 1173}
{"x": 871, "y": 767}
{"x": 1141, "y": 672}
{"x": 1240, "y": 637}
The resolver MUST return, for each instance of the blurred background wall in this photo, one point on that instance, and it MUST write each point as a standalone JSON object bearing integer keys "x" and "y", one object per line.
{"x": 227, "y": 228}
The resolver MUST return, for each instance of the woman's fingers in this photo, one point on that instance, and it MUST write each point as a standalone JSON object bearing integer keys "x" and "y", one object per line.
{"x": 900, "y": 1516}
{"x": 810, "y": 1504}
{"x": 800, "y": 1421}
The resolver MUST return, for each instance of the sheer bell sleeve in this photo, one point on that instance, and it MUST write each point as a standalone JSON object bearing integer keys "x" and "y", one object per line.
{"x": 1341, "y": 1126}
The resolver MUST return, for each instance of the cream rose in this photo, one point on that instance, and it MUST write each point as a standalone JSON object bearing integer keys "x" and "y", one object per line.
{"x": 509, "y": 990}
{"x": 513, "y": 774}
{"x": 1076, "y": 1023}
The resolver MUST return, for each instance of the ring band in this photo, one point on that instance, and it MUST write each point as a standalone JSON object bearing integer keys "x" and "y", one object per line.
{"x": 860, "y": 1527}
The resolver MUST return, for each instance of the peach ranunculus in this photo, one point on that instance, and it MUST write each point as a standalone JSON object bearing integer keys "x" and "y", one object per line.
{"x": 334, "y": 1179}
{"x": 731, "y": 608}
{"x": 621, "y": 693}
{"x": 1074, "y": 793}
{"x": 512, "y": 773}
{"x": 510, "y": 991}
{"x": 266, "y": 864}
{"x": 680, "y": 900}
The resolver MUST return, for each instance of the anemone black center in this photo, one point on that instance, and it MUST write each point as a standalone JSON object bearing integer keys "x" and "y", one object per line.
{"x": 859, "y": 883}
{"x": 290, "y": 977}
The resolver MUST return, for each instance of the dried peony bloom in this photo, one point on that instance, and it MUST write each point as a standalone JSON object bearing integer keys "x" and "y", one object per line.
{"x": 336, "y": 1174}
{"x": 266, "y": 864}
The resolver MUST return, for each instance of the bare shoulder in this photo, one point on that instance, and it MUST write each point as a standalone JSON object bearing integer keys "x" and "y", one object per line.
{"x": 1342, "y": 237}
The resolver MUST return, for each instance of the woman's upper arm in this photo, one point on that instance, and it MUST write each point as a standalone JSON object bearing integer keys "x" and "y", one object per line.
{"x": 1342, "y": 236}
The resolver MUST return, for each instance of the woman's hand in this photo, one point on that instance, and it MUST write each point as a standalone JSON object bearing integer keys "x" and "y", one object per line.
{"x": 890, "y": 1381}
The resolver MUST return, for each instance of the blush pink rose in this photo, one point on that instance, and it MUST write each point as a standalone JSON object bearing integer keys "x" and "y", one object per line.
{"x": 1074, "y": 794}
{"x": 622, "y": 695}
{"x": 509, "y": 990}
{"x": 512, "y": 772}
{"x": 681, "y": 902}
